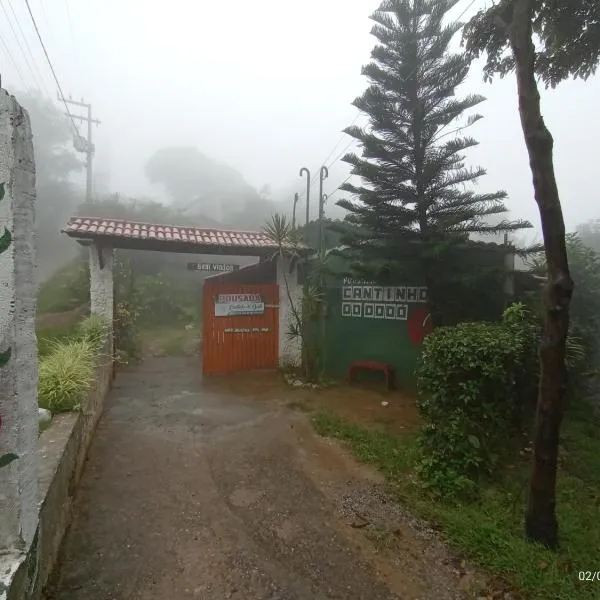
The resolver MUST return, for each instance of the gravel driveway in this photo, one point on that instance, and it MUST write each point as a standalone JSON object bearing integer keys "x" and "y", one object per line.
{"x": 193, "y": 491}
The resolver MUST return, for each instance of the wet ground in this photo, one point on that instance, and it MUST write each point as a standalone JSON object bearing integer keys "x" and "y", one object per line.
{"x": 220, "y": 490}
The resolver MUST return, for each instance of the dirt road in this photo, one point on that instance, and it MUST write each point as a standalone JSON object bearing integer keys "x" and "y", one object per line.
{"x": 196, "y": 491}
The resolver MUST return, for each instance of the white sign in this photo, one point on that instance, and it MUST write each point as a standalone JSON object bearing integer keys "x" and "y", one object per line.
{"x": 365, "y": 299}
{"x": 232, "y": 305}
{"x": 246, "y": 330}
{"x": 227, "y": 268}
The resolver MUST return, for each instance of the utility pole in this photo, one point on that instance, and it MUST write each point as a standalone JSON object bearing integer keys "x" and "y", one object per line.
{"x": 83, "y": 145}
{"x": 296, "y": 198}
{"x": 305, "y": 171}
{"x": 323, "y": 174}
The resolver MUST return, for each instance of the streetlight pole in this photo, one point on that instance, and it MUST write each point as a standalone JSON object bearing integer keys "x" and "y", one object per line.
{"x": 323, "y": 174}
{"x": 296, "y": 198}
{"x": 305, "y": 171}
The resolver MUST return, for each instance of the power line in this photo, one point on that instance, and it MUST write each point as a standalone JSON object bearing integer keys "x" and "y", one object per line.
{"x": 337, "y": 189}
{"x": 343, "y": 152}
{"x": 12, "y": 10}
{"x": 71, "y": 30}
{"x": 340, "y": 139}
{"x": 464, "y": 11}
{"x": 14, "y": 32}
{"x": 45, "y": 16}
{"x": 62, "y": 96}
{"x": 12, "y": 60}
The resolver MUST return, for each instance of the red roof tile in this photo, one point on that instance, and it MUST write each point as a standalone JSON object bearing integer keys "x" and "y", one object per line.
{"x": 90, "y": 227}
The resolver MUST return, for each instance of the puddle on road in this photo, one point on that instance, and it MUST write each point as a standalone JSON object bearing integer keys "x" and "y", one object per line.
{"x": 368, "y": 405}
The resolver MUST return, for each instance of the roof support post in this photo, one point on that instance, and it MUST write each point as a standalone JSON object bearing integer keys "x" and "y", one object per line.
{"x": 101, "y": 283}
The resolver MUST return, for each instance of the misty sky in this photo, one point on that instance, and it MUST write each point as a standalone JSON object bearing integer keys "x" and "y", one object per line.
{"x": 266, "y": 86}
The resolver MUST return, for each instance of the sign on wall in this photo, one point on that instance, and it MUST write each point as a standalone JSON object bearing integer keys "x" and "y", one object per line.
{"x": 233, "y": 305}
{"x": 247, "y": 330}
{"x": 367, "y": 300}
{"x": 213, "y": 267}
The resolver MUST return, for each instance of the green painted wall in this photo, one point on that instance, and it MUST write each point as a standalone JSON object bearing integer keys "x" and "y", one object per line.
{"x": 386, "y": 338}
{"x": 367, "y": 329}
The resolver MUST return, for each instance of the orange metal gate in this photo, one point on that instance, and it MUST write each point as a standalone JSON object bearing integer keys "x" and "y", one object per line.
{"x": 240, "y": 328}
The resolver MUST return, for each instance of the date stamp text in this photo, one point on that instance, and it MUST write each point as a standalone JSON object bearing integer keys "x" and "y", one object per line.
{"x": 589, "y": 576}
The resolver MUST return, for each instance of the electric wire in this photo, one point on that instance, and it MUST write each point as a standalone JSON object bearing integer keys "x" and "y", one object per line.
{"x": 62, "y": 96}
{"x": 14, "y": 32}
{"x": 71, "y": 29}
{"x": 34, "y": 62}
{"x": 14, "y": 63}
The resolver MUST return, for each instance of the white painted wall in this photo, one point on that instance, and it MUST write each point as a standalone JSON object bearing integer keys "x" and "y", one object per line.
{"x": 290, "y": 351}
{"x": 19, "y": 377}
{"x": 101, "y": 283}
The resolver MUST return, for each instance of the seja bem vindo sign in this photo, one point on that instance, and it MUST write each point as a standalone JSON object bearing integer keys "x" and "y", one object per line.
{"x": 212, "y": 267}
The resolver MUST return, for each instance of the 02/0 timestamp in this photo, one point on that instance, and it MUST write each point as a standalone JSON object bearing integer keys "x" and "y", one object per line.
{"x": 589, "y": 576}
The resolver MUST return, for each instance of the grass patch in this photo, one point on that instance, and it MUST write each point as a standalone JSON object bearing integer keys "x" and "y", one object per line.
{"x": 490, "y": 530}
{"x": 66, "y": 374}
{"x": 49, "y": 336}
{"x": 66, "y": 370}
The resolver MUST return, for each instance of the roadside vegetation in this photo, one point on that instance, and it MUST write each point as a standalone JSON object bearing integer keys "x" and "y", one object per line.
{"x": 508, "y": 447}
{"x": 466, "y": 465}
{"x": 67, "y": 368}
{"x": 488, "y": 529}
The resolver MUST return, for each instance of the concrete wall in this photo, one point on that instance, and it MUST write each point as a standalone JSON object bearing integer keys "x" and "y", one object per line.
{"x": 18, "y": 346}
{"x": 61, "y": 453}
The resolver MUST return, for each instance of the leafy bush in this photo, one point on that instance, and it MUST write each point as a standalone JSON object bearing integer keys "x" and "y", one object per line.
{"x": 126, "y": 335}
{"x": 582, "y": 345}
{"x": 474, "y": 381}
{"x": 66, "y": 374}
{"x": 156, "y": 299}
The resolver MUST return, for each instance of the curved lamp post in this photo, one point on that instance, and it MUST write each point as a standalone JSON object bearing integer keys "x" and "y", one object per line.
{"x": 305, "y": 171}
{"x": 323, "y": 175}
{"x": 296, "y": 198}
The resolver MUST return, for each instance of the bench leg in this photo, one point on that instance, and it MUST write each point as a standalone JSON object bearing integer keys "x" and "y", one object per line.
{"x": 391, "y": 380}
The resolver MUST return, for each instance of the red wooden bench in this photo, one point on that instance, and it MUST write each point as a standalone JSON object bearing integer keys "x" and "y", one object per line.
{"x": 372, "y": 365}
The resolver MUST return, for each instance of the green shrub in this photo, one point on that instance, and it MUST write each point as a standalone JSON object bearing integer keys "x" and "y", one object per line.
{"x": 126, "y": 335}
{"x": 66, "y": 374}
{"x": 158, "y": 300}
{"x": 474, "y": 383}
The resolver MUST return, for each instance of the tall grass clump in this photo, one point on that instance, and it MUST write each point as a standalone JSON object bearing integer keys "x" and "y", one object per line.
{"x": 67, "y": 370}
{"x": 92, "y": 330}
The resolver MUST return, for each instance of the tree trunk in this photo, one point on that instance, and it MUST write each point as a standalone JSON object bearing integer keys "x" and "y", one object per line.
{"x": 540, "y": 520}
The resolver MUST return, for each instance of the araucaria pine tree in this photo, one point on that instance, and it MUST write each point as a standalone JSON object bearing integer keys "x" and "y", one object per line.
{"x": 416, "y": 202}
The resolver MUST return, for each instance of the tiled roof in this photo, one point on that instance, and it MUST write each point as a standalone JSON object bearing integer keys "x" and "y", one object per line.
{"x": 90, "y": 227}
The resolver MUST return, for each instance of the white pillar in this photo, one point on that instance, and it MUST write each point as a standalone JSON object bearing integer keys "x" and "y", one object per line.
{"x": 18, "y": 344}
{"x": 290, "y": 294}
{"x": 101, "y": 282}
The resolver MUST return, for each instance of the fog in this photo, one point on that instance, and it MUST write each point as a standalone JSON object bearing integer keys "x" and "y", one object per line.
{"x": 263, "y": 88}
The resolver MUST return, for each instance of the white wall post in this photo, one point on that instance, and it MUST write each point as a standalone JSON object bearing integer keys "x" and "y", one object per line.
{"x": 101, "y": 283}
{"x": 290, "y": 350}
{"x": 18, "y": 344}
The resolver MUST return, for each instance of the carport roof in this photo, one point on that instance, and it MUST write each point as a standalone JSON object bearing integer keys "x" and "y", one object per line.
{"x": 122, "y": 233}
